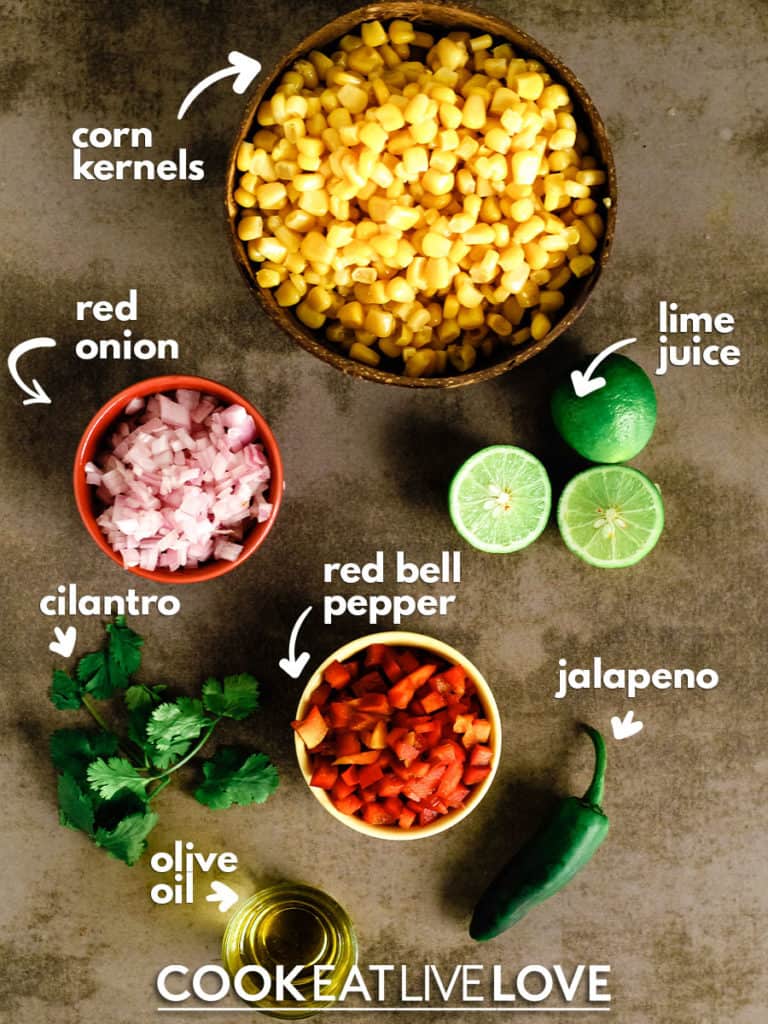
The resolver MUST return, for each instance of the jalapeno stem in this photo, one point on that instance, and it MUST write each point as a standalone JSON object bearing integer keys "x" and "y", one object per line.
{"x": 594, "y": 794}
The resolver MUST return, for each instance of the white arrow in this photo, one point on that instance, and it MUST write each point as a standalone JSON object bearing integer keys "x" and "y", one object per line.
{"x": 244, "y": 69}
{"x": 35, "y": 390}
{"x": 223, "y": 895}
{"x": 583, "y": 383}
{"x": 64, "y": 643}
{"x": 625, "y": 727}
{"x": 293, "y": 666}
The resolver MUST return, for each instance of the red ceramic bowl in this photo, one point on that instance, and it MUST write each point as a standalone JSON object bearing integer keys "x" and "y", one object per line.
{"x": 91, "y": 443}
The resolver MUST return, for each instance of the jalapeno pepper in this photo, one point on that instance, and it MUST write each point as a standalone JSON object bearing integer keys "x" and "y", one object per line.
{"x": 549, "y": 860}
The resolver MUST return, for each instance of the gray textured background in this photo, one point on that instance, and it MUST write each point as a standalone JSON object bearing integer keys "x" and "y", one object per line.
{"x": 676, "y": 899}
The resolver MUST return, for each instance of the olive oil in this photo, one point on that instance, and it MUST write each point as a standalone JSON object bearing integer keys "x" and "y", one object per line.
{"x": 289, "y": 925}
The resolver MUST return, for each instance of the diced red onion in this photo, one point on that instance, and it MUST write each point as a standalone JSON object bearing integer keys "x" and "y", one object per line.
{"x": 179, "y": 481}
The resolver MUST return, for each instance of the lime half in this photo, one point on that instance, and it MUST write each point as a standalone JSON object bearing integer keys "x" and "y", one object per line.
{"x": 611, "y": 516}
{"x": 500, "y": 499}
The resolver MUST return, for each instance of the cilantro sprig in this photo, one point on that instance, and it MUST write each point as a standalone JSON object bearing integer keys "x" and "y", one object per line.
{"x": 106, "y": 782}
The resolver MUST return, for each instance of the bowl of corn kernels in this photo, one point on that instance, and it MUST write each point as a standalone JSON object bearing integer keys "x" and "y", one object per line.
{"x": 421, "y": 195}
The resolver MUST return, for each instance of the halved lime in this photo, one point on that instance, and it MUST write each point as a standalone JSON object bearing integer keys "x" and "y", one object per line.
{"x": 611, "y": 516}
{"x": 500, "y": 499}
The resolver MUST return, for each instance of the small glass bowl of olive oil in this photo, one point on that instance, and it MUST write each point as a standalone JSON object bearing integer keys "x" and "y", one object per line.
{"x": 288, "y": 925}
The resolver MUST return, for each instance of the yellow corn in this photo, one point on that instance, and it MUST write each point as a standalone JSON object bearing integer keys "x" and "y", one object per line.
{"x": 249, "y": 228}
{"x": 362, "y": 354}
{"x": 499, "y": 325}
{"x": 581, "y": 265}
{"x": 408, "y": 187}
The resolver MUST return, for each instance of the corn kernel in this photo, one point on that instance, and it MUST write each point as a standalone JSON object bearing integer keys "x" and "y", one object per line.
{"x": 525, "y": 167}
{"x": 434, "y": 244}
{"x": 244, "y": 198}
{"x": 499, "y": 325}
{"x": 473, "y": 114}
{"x": 309, "y": 316}
{"x": 438, "y": 183}
{"x": 373, "y": 33}
{"x": 362, "y": 354}
{"x": 529, "y": 85}
{"x": 462, "y": 357}
{"x": 250, "y": 228}
{"x": 582, "y": 265}
{"x": 287, "y": 294}
{"x": 562, "y": 139}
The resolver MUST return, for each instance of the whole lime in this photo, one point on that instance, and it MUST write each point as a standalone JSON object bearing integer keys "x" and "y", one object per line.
{"x": 613, "y": 423}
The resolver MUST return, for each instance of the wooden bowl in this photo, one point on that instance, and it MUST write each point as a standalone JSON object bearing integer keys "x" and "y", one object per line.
{"x": 446, "y": 17}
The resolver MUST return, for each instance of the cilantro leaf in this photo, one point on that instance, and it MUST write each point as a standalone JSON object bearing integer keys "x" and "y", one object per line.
{"x": 111, "y": 777}
{"x": 124, "y": 647}
{"x": 139, "y": 697}
{"x": 93, "y": 672}
{"x": 171, "y": 729}
{"x": 233, "y": 776}
{"x": 128, "y": 839}
{"x": 140, "y": 702}
{"x": 66, "y": 693}
{"x": 72, "y": 750}
{"x": 75, "y": 807}
{"x": 176, "y": 721}
{"x": 237, "y": 697}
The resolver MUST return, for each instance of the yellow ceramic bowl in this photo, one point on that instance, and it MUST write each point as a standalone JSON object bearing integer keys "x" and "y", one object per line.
{"x": 397, "y": 638}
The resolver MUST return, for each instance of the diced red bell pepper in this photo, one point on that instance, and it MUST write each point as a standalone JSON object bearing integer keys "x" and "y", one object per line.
{"x": 378, "y": 737}
{"x": 376, "y": 814}
{"x": 408, "y": 748}
{"x": 402, "y": 693}
{"x": 450, "y": 780}
{"x": 436, "y": 804}
{"x": 448, "y": 750}
{"x": 407, "y": 661}
{"x": 369, "y": 774}
{"x": 337, "y": 675}
{"x": 482, "y": 729}
{"x": 452, "y": 681}
{"x": 474, "y": 775}
{"x": 480, "y": 756}
{"x": 375, "y": 655}
{"x": 457, "y": 797}
{"x": 339, "y": 714}
{"x": 320, "y": 695}
{"x": 478, "y": 732}
{"x": 368, "y": 796}
{"x": 433, "y": 702}
{"x": 324, "y": 774}
{"x": 420, "y": 789}
{"x": 371, "y": 682}
{"x": 351, "y": 775}
{"x": 407, "y": 818}
{"x": 427, "y": 816}
{"x": 312, "y": 729}
{"x": 463, "y": 723}
{"x": 341, "y": 790}
{"x": 430, "y": 735}
{"x": 347, "y": 743}
{"x": 372, "y": 704}
{"x": 390, "y": 786}
{"x": 393, "y": 806}
{"x": 348, "y": 805}
{"x": 390, "y": 667}
{"x": 366, "y": 757}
